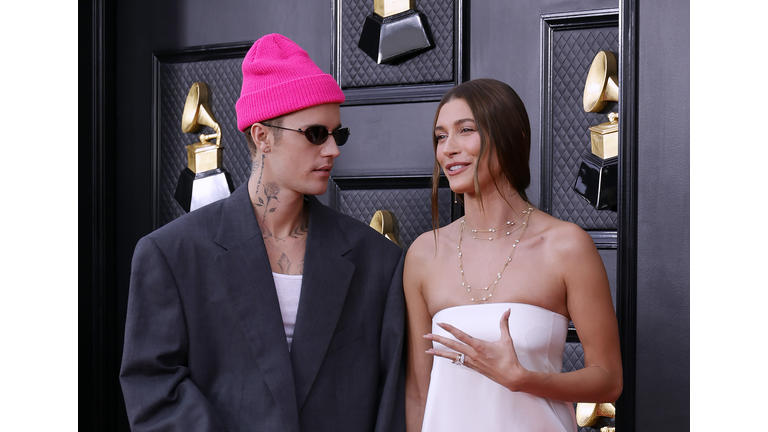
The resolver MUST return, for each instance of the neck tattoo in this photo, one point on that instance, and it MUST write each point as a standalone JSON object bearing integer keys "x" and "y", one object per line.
{"x": 271, "y": 190}
{"x": 296, "y": 234}
{"x": 261, "y": 171}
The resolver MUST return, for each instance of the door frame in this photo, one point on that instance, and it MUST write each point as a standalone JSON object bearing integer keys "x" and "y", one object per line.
{"x": 626, "y": 263}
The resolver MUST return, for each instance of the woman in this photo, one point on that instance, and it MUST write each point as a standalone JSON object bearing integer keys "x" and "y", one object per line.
{"x": 489, "y": 296}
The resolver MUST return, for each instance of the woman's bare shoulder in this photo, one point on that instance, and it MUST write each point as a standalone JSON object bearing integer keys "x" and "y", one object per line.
{"x": 422, "y": 246}
{"x": 426, "y": 246}
{"x": 567, "y": 237}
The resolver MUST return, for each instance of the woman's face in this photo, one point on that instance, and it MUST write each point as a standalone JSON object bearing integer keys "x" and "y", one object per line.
{"x": 458, "y": 147}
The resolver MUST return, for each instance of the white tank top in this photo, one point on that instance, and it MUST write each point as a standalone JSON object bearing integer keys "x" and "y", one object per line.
{"x": 288, "y": 292}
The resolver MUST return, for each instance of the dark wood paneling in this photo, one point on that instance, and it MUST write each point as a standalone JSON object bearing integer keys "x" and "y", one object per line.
{"x": 100, "y": 400}
{"x": 663, "y": 363}
{"x": 626, "y": 294}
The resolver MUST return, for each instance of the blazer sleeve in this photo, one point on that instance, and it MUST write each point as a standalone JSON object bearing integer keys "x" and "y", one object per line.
{"x": 391, "y": 415}
{"x": 158, "y": 391}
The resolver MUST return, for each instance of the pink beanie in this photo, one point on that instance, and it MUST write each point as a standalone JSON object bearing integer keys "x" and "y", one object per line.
{"x": 280, "y": 78}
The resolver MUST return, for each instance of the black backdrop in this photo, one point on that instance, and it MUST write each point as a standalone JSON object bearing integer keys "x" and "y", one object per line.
{"x": 116, "y": 45}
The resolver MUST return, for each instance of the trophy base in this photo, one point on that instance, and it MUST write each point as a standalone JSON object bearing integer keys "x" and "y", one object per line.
{"x": 597, "y": 181}
{"x": 394, "y": 37}
{"x": 197, "y": 190}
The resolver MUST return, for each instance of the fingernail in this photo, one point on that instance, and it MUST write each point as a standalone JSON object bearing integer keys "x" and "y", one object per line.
{"x": 429, "y": 351}
{"x": 428, "y": 336}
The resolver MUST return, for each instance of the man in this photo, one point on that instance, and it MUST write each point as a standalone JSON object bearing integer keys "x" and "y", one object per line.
{"x": 268, "y": 311}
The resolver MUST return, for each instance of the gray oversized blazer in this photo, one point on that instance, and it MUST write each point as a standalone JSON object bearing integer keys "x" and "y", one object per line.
{"x": 205, "y": 348}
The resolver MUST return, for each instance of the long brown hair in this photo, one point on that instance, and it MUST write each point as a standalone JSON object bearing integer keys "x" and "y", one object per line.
{"x": 505, "y": 131}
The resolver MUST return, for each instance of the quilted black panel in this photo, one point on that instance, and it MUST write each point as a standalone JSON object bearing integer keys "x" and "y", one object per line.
{"x": 410, "y": 208}
{"x": 573, "y": 357}
{"x": 224, "y": 79}
{"x": 357, "y": 69}
{"x": 572, "y": 51}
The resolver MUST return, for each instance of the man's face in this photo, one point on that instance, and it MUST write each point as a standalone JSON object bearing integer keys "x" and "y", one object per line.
{"x": 297, "y": 164}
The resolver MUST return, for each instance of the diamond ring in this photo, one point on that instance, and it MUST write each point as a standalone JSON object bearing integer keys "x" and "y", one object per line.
{"x": 459, "y": 360}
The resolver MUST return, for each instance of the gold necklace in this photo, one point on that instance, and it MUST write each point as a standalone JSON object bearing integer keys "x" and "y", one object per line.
{"x": 500, "y": 230}
{"x": 488, "y": 290}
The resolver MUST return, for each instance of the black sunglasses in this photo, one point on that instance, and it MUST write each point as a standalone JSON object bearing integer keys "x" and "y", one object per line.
{"x": 318, "y": 135}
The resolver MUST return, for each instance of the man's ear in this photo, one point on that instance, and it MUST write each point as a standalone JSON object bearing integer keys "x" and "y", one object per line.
{"x": 261, "y": 137}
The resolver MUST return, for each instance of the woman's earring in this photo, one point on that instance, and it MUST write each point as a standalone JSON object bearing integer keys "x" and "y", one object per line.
{"x": 455, "y": 200}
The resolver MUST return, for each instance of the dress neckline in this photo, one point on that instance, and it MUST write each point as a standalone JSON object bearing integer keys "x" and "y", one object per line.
{"x": 499, "y": 304}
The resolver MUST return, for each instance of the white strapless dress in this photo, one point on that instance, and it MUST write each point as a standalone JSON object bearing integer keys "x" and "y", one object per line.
{"x": 462, "y": 400}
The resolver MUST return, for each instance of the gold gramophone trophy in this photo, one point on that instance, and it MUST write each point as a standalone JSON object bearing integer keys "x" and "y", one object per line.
{"x": 383, "y": 222}
{"x": 597, "y": 181}
{"x": 589, "y": 414}
{"x": 203, "y": 181}
{"x": 394, "y": 30}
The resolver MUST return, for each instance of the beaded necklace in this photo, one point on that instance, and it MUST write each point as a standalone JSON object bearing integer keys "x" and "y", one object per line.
{"x": 487, "y": 291}
{"x": 501, "y": 230}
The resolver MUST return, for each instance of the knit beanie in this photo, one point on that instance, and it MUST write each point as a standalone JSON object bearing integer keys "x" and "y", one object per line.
{"x": 280, "y": 78}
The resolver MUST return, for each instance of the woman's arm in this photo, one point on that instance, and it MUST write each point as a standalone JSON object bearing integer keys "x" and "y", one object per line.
{"x": 588, "y": 299}
{"x": 588, "y": 296}
{"x": 418, "y": 323}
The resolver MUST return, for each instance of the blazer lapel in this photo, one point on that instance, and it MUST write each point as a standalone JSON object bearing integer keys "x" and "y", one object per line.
{"x": 248, "y": 280}
{"x": 327, "y": 275}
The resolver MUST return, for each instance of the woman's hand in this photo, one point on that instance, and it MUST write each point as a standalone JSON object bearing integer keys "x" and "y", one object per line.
{"x": 496, "y": 360}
